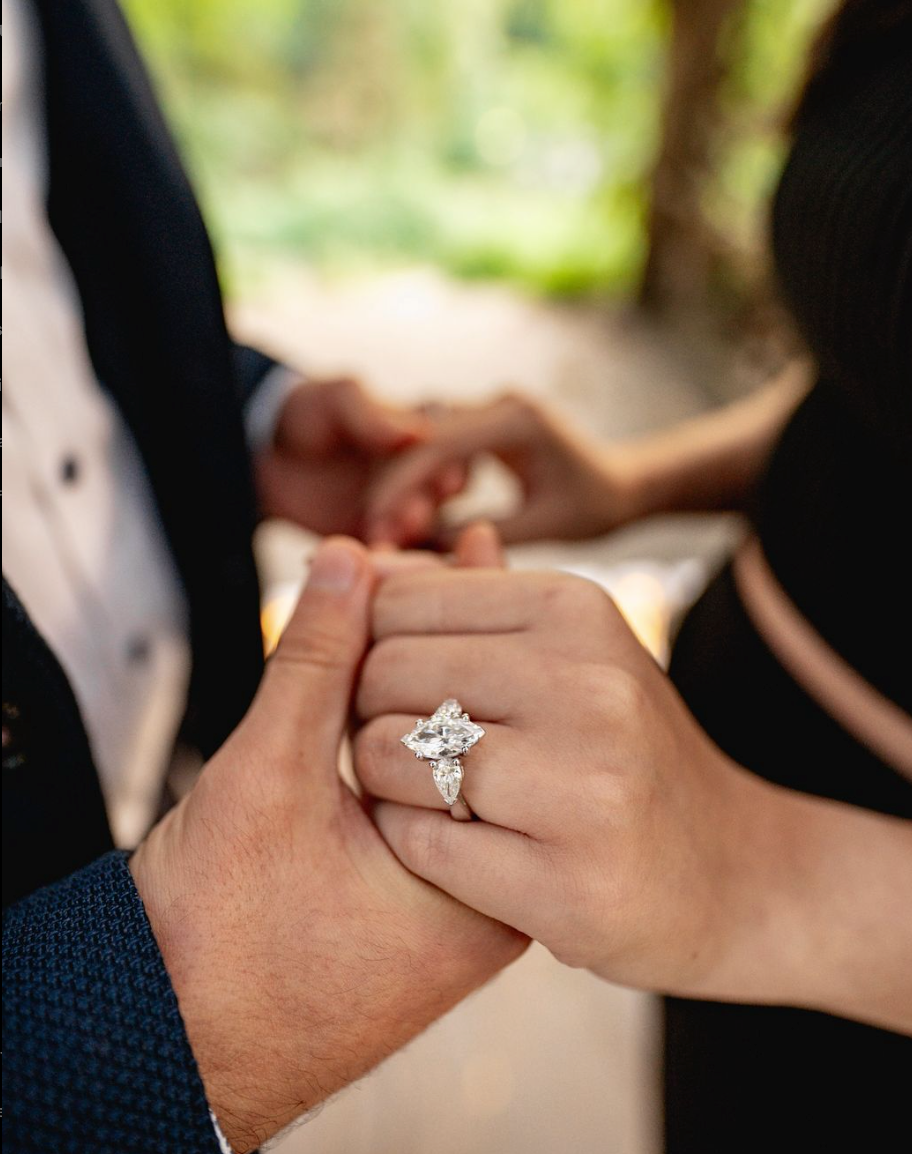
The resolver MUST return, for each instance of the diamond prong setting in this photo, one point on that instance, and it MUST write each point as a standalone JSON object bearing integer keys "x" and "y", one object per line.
{"x": 441, "y": 739}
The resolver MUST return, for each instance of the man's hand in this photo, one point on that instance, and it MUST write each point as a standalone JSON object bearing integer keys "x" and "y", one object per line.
{"x": 331, "y": 443}
{"x": 302, "y": 953}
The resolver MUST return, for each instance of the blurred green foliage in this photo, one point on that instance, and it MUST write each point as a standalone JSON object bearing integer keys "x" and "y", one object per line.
{"x": 496, "y": 138}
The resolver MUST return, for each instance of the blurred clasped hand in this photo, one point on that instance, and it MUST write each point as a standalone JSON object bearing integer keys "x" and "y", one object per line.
{"x": 343, "y": 462}
{"x": 332, "y": 444}
{"x": 572, "y": 487}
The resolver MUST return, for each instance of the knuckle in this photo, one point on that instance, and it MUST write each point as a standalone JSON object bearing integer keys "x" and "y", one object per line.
{"x": 517, "y": 400}
{"x": 372, "y": 751}
{"x": 556, "y": 593}
{"x": 387, "y": 667}
{"x": 371, "y": 681}
{"x": 579, "y": 604}
{"x": 623, "y": 694}
{"x": 587, "y": 681}
{"x": 385, "y": 610}
{"x": 387, "y": 658}
{"x": 349, "y": 386}
{"x": 574, "y": 597}
{"x": 526, "y": 412}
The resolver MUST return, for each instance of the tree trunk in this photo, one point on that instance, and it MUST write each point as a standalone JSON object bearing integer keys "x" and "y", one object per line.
{"x": 682, "y": 249}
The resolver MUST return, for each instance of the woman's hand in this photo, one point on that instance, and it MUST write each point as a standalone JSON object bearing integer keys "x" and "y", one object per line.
{"x": 572, "y": 487}
{"x": 612, "y": 829}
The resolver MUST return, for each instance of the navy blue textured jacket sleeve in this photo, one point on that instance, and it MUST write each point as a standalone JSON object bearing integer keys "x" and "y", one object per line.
{"x": 96, "y": 1058}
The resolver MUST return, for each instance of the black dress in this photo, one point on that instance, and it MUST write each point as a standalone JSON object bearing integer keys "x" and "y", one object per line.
{"x": 833, "y": 513}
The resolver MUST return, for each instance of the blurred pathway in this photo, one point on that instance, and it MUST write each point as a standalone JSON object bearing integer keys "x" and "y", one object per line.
{"x": 545, "y": 1060}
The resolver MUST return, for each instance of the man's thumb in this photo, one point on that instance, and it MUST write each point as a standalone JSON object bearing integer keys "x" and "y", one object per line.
{"x": 310, "y": 677}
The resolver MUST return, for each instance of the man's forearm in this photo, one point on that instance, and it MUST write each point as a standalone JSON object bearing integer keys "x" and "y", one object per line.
{"x": 714, "y": 461}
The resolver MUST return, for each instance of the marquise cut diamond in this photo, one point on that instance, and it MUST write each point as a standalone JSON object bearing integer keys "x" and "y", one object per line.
{"x": 448, "y": 734}
{"x": 442, "y": 739}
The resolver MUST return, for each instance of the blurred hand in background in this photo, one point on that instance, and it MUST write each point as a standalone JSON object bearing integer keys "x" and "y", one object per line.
{"x": 332, "y": 443}
{"x": 572, "y": 487}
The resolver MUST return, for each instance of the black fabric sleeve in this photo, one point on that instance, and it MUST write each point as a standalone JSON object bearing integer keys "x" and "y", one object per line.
{"x": 96, "y": 1057}
{"x": 250, "y": 367}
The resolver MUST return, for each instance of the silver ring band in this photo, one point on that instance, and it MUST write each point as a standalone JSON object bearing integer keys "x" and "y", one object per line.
{"x": 460, "y": 810}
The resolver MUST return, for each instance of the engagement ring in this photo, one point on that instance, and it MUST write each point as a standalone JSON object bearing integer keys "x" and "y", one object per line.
{"x": 442, "y": 739}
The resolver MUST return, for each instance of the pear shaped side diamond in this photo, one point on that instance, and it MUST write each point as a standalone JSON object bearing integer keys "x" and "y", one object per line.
{"x": 448, "y": 774}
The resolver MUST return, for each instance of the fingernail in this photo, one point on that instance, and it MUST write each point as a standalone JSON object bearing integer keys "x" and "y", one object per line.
{"x": 333, "y": 569}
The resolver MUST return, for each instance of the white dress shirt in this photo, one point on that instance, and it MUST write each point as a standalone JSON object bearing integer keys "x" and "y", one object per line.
{"x": 82, "y": 544}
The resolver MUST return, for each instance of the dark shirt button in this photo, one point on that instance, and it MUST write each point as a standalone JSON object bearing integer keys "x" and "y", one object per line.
{"x": 69, "y": 470}
{"x": 138, "y": 649}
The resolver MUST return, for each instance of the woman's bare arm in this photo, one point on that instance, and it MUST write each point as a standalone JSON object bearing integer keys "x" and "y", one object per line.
{"x": 824, "y": 897}
{"x": 575, "y": 486}
{"x": 714, "y": 460}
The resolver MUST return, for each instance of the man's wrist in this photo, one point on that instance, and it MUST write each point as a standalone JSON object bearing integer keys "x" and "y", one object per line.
{"x": 235, "y": 1039}
{"x": 223, "y": 1143}
{"x": 264, "y": 409}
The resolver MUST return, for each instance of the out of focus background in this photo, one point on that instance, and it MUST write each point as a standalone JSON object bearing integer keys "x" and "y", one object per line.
{"x": 569, "y": 196}
{"x": 507, "y": 140}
